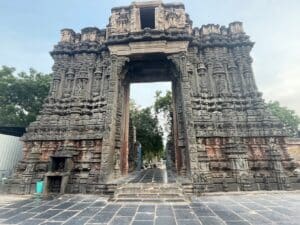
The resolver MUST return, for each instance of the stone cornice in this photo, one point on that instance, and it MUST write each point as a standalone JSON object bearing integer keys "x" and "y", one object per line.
{"x": 150, "y": 35}
{"x": 210, "y": 40}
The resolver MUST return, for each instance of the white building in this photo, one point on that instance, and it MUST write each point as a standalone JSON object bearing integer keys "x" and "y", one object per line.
{"x": 10, "y": 154}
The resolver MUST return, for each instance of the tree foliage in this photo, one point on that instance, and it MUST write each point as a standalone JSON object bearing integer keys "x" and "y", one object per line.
{"x": 148, "y": 131}
{"x": 21, "y": 95}
{"x": 163, "y": 104}
{"x": 287, "y": 116}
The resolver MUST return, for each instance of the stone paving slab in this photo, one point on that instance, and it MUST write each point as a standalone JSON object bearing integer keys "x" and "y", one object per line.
{"x": 244, "y": 209}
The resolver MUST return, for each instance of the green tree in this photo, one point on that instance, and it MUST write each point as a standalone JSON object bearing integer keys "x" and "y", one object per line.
{"x": 163, "y": 104}
{"x": 21, "y": 95}
{"x": 148, "y": 131}
{"x": 287, "y": 116}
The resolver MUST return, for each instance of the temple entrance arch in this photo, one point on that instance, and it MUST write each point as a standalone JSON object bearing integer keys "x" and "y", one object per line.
{"x": 144, "y": 68}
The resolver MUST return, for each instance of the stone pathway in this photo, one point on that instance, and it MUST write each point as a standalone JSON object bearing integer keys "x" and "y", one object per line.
{"x": 251, "y": 208}
{"x": 154, "y": 175}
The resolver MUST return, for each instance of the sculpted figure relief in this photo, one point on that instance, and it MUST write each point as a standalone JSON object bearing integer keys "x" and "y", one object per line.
{"x": 90, "y": 36}
{"x": 201, "y": 70}
{"x": 80, "y": 86}
{"x": 122, "y": 21}
{"x": 240, "y": 163}
{"x": 96, "y": 85}
{"x": 55, "y": 86}
{"x": 175, "y": 18}
{"x": 69, "y": 81}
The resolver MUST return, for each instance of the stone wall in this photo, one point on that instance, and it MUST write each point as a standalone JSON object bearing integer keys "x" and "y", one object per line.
{"x": 293, "y": 146}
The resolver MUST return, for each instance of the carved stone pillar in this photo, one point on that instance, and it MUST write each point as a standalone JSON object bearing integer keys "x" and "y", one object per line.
{"x": 97, "y": 82}
{"x": 108, "y": 149}
{"x": 69, "y": 82}
{"x": 235, "y": 80}
{"x": 180, "y": 61}
{"x": 220, "y": 81}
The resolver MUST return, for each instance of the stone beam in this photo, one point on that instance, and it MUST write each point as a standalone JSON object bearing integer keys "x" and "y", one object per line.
{"x": 167, "y": 47}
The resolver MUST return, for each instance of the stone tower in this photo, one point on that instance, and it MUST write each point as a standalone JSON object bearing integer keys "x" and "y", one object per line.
{"x": 224, "y": 138}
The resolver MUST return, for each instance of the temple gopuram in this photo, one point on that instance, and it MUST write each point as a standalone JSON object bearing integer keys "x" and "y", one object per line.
{"x": 223, "y": 136}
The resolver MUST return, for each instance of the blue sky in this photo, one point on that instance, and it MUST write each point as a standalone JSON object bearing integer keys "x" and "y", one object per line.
{"x": 30, "y": 28}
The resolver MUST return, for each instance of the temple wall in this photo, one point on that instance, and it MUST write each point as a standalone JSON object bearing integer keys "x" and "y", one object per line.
{"x": 293, "y": 147}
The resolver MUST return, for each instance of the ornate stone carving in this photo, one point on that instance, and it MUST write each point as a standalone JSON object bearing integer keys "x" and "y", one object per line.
{"x": 67, "y": 36}
{"x": 202, "y": 76}
{"x": 220, "y": 79}
{"x": 174, "y": 18}
{"x": 90, "y": 34}
{"x": 236, "y": 27}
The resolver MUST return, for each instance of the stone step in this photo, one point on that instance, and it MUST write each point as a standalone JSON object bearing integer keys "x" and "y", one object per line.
{"x": 144, "y": 195}
{"x": 150, "y": 200}
{"x": 150, "y": 192}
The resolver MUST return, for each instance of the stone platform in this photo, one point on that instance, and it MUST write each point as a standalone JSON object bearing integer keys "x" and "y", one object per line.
{"x": 233, "y": 208}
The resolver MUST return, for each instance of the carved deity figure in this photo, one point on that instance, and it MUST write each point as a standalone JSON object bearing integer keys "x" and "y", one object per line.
{"x": 200, "y": 145}
{"x": 69, "y": 81}
{"x": 97, "y": 83}
{"x": 220, "y": 79}
{"x": 172, "y": 18}
{"x": 35, "y": 147}
{"x": 55, "y": 87}
{"x": 240, "y": 163}
{"x": 122, "y": 21}
{"x": 29, "y": 169}
{"x": 80, "y": 86}
{"x": 202, "y": 78}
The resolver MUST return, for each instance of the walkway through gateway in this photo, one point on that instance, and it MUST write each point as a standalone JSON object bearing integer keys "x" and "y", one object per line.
{"x": 150, "y": 185}
{"x": 153, "y": 175}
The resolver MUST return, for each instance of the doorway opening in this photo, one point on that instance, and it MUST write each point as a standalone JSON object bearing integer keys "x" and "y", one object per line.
{"x": 148, "y": 142}
{"x": 54, "y": 185}
{"x": 147, "y": 16}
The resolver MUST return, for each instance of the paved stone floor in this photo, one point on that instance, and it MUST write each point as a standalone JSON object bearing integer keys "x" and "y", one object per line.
{"x": 153, "y": 175}
{"x": 250, "y": 208}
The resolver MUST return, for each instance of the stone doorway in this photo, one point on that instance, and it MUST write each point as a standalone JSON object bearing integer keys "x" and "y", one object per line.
{"x": 147, "y": 68}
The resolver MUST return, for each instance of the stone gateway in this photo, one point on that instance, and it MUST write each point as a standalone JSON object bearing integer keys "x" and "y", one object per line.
{"x": 223, "y": 136}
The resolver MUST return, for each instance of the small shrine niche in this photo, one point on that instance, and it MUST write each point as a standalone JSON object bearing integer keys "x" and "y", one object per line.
{"x": 56, "y": 179}
{"x": 54, "y": 184}
{"x": 58, "y": 164}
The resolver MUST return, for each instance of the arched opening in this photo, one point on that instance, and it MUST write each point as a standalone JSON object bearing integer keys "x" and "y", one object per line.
{"x": 150, "y": 68}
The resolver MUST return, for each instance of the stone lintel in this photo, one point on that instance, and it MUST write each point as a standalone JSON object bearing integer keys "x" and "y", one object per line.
{"x": 167, "y": 47}
{"x": 154, "y": 3}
